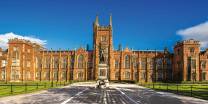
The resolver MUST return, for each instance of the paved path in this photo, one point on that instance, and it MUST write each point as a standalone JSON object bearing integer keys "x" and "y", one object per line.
{"x": 86, "y": 93}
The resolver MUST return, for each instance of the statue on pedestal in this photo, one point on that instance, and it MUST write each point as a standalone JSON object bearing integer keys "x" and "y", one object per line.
{"x": 103, "y": 56}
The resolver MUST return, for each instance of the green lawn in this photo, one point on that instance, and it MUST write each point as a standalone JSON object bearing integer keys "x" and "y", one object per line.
{"x": 14, "y": 88}
{"x": 194, "y": 90}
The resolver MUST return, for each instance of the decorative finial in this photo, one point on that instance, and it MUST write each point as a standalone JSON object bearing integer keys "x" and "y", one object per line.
{"x": 96, "y": 21}
{"x": 110, "y": 19}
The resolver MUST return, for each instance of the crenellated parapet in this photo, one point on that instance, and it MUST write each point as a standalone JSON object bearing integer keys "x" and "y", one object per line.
{"x": 104, "y": 27}
{"x": 24, "y": 41}
{"x": 188, "y": 42}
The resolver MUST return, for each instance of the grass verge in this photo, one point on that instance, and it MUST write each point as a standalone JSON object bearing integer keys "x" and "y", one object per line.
{"x": 14, "y": 88}
{"x": 194, "y": 90}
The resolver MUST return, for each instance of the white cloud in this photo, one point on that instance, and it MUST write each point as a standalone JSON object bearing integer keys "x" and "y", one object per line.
{"x": 197, "y": 32}
{"x": 4, "y": 38}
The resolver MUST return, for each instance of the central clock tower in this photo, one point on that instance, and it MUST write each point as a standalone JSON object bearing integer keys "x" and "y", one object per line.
{"x": 102, "y": 50}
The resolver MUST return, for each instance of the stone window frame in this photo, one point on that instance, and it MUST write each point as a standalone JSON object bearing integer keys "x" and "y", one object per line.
{"x": 80, "y": 61}
{"x": 16, "y": 52}
{"x": 117, "y": 74}
{"x": 127, "y": 62}
{"x": 63, "y": 74}
{"x": 3, "y": 74}
{"x": 56, "y": 62}
{"x": 191, "y": 49}
{"x": 134, "y": 62}
{"x": 80, "y": 75}
{"x": 28, "y": 64}
{"x": 178, "y": 51}
{"x": 204, "y": 74}
{"x": 15, "y": 73}
{"x": 3, "y": 63}
{"x": 47, "y": 62}
{"x": 103, "y": 38}
{"x": 127, "y": 75}
{"x": 203, "y": 64}
{"x": 193, "y": 63}
{"x": 151, "y": 63}
{"x": 64, "y": 62}
{"x": 143, "y": 63}
{"x": 27, "y": 75}
{"x": 116, "y": 64}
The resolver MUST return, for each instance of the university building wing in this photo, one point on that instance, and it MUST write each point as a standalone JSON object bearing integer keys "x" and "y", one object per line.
{"x": 27, "y": 61}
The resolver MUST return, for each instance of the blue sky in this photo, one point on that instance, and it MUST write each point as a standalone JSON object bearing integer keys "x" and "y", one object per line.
{"x": 138, "y": 24}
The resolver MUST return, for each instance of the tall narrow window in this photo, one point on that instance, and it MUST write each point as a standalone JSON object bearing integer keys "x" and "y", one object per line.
{"x": 151, "y": 63}
{"x": 3, "y": 74}
{"x": 81, "y": 61}
{"x": 134, "y": 61}
{"x": 144, "y": 75}
{"x": 159, "y": 63}
{"x": 191, "y": 49}
{"x": 28, "y": 64}
{"x": 127, "y": 75}
{"x": 15, "y": 53}
{"x": 143, "y": 63}
{"x": 71, "y": 62}
{"x": 3, "y": 63}
{"x": 203, "y": 65}
{"x": 47, "y": 59}
{"x": 27, "y": 75}
{"x": 80, "y": 75}
{"x": 127, "y": 62}
{"x": 55, "y": 74}
{"x": 203, "y": 76}
{"x": 47, "y": 76}
{"x": 38, "y": 62}
{"x": 116, "y": 64}
{"x": 56, "y": 62}
{"x": 193, "y": 63}
{"x": 178, "y": 51}
{"x": 117, "y": 75}
{"x": 64, "y": 62}
{"x": 63, "y": 75}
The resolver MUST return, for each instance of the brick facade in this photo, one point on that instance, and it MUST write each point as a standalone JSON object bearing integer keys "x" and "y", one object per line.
{"x": 27, "y": 61}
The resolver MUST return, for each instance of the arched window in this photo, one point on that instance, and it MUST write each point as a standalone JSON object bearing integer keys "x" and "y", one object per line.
{"x": 127, "y": 62}
{"x": 81, "y": 61}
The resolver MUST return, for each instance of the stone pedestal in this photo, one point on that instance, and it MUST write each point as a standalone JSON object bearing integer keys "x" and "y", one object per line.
{"x": 103, "y": 72}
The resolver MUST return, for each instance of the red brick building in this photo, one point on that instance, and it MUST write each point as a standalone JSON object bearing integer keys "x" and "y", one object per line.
{"x": 27, "y": 61}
